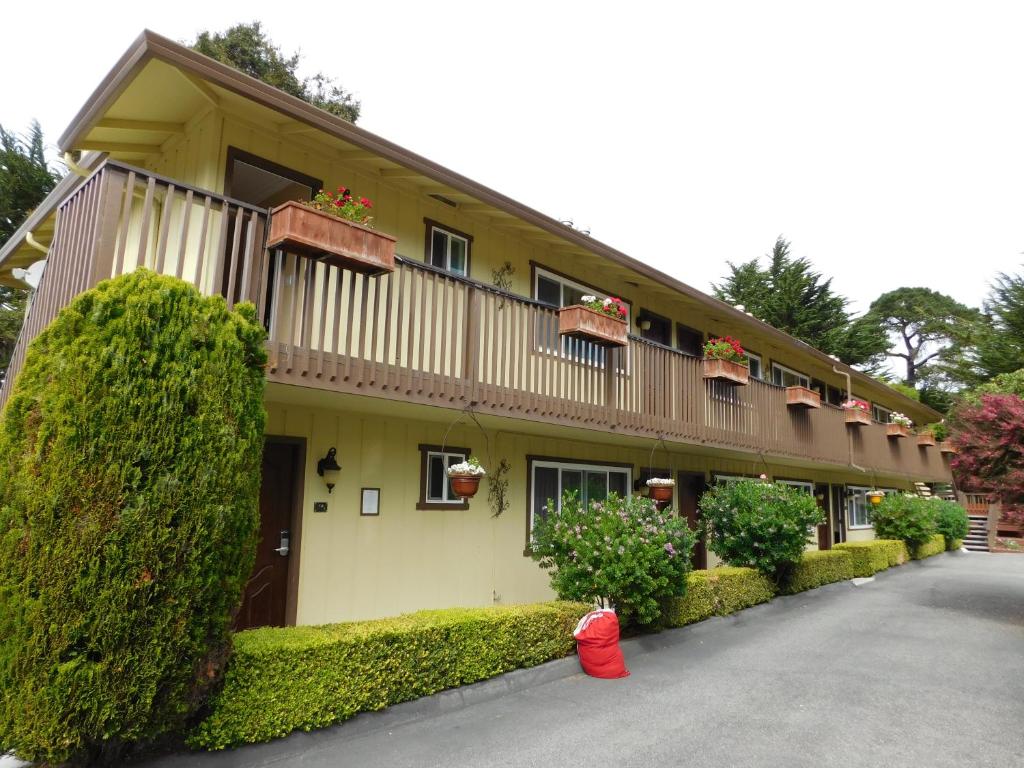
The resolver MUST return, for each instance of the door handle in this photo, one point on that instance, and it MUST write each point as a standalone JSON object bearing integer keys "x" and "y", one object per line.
{"x": 284, "y": 549}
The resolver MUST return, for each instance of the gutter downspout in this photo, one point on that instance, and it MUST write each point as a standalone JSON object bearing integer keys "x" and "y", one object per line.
{"x": 849, "y": 436}
{"x": 33, "y": 243}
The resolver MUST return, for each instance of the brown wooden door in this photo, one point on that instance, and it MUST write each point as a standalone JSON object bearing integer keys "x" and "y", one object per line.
{"x": 821, "y": 495}
{"x": 690, "y": 487}
{"x": 266, "y": 593}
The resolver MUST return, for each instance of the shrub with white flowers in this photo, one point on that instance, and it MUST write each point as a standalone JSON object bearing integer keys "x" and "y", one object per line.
{"x": 620, "y": 551}
{"x": 471, "y": 467}
{"x": 759, "y": 525}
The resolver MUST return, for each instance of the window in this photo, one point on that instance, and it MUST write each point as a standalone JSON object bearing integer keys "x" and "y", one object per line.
{"x": 558, "y": 291}
{"x": 787, "y": 377}
{"x": 689, "y": 340}
{"x": 858, "y": 508}
{"x": 802, "y": 485}
{"x": 878, "y": 413}
{"x": 550, "y": 479}
{"x": 447, "y": 248}
{"x": 658, "y": 330}
{"x": 756, "y": 369}
{"x": 435, "y": 490}
{"x": 727, "y": 479}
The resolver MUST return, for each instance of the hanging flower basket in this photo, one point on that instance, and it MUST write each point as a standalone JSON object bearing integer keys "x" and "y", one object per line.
{"x": 660, "y": 489}
{"x": 802, "y": 397}
{"x": 875, "y": 497}
{"x": 948, "y": 448}
{"x": 894, "y": 431}
{"x": 606, "y": 327}
{"x": 925, "y": 440}
{"x": 465, "y": 478}
{"x": 298, "y": 228}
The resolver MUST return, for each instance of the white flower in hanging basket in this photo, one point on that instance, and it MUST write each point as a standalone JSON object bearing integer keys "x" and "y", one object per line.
{"x": 660, "y": 481}
{"x": 471, "y": 467}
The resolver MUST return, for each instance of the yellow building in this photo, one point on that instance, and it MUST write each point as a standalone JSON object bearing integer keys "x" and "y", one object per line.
{"x": 454, "y": 351}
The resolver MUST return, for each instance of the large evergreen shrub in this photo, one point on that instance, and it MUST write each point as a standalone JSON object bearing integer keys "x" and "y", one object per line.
{"x": 759, "y": 525}
{"x": 951, "y": 521}
{"x": 129, "y": 480}
{"x": 621, "y": 551}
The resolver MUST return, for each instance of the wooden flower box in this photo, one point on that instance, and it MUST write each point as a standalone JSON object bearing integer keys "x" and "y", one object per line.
{"x": 948, "y": 448}
{"x": 855, "y": 417}
{"x": 297, "y": 228}
{"x": 924, "y": 441}
{"x": 726, "y": 371}
{"x": 581, "y": 322}
{"x": 802, "y": 397}
{"x": 897, "y": 430}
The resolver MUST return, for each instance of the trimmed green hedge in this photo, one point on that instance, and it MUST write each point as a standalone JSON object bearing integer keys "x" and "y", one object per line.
{"x": 284, "y": 679}
{"x": 817, "y": 568}
{"x": 870, "y": 557}
{"x": 717, "y": 592}
{"x": 954, "y": 545}
{"x": 935, "y": 545}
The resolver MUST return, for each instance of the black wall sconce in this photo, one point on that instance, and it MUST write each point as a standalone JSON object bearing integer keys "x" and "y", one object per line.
{"x": 328, "y": 468}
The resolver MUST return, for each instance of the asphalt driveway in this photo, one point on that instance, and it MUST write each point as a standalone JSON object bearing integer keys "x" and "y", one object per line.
{"x": 923, "y": 666}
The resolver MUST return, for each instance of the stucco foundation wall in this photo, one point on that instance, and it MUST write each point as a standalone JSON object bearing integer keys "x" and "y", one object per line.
{"x": 860, "y": 534}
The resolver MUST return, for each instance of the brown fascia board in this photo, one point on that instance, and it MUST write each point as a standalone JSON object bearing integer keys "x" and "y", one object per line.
{"x": 151, "y": 45}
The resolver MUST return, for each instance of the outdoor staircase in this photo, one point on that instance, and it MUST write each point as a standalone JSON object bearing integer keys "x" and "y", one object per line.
{"x": 977, "y": 538}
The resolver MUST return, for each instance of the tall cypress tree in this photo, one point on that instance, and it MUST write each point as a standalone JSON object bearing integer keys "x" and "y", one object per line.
{"x": 791, "y": 296}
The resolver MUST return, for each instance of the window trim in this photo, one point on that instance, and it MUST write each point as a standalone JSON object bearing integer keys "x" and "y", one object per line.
{"x": 717, "y": 477}
{"x": 536, "y": 269}
{"x": 862, "y": 490}
{"x": 808, "y": 484}
{"x": 584, "y": 464}
{"x": 875, "y": 408}
{"x": 760, "y": 364}
{"x": 428, "y": 249}
{"x": 426, "y": 450}
{"x": 794, "y": 372}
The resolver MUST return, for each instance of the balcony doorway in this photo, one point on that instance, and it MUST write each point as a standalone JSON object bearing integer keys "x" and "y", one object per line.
{"x": 265, "y": 184}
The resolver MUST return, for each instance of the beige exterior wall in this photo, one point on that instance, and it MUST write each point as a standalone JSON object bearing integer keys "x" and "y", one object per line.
{"x": 356, "y": 567}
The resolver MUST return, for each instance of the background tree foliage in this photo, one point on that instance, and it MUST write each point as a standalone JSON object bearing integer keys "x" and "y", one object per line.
{"x": 247, "y": 48}
{"x": 929, "y": 329}
{"x": 25, "y": 179}
{"x": 789, "y": 295}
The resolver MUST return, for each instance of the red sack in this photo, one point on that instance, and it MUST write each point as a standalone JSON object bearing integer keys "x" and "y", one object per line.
{"x": 597, "y": 640}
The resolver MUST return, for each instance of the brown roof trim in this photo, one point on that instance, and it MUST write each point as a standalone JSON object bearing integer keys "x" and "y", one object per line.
{"x": 150, "y": 45}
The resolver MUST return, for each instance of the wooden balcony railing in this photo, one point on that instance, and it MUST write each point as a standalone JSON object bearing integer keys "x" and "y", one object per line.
{"x": 422, "y": 335}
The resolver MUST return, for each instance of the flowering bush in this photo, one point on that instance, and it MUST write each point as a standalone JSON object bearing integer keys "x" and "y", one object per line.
{"x": 759, "y": 524}
{"x": 343, "y": 205}
{"x": 990, "y": 438}
{"x": 725, "y": 348}
{"x": 612, "y": 306}
{"x": 857, "y": 405}
{"x": 906, "y": 517}
{"x": 471, "y": 467}
{"x": 621, "y": 551}
{"x": 901, "y": 419}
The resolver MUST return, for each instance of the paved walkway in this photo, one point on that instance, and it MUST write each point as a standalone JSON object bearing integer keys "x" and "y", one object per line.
{"x": 923, "y": 666}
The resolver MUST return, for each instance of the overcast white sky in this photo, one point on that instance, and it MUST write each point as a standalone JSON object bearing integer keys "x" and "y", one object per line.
{"x": 885, "y": 140}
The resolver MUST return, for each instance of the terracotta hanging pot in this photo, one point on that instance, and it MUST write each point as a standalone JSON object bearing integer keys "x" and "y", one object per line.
{"x": 465, "y": 486}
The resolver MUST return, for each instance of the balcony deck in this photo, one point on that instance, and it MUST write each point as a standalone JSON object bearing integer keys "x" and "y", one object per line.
{"x": 422, "y": 335}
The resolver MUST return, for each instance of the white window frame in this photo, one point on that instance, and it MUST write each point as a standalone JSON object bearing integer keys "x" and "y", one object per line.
{"x": 803, "y": 378}
{"x": 760, "y": 366}
{"x": 853, "y": 492}
{"x": 805, "y": 484}
{"x": 572, "y": 467}
{"x": 445, "y": 455}
{"x": 727, "y": 479}
{"x": 448, "y": 250}
{"x": 881, "y": 413}
{"x": 539, "y": 272}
